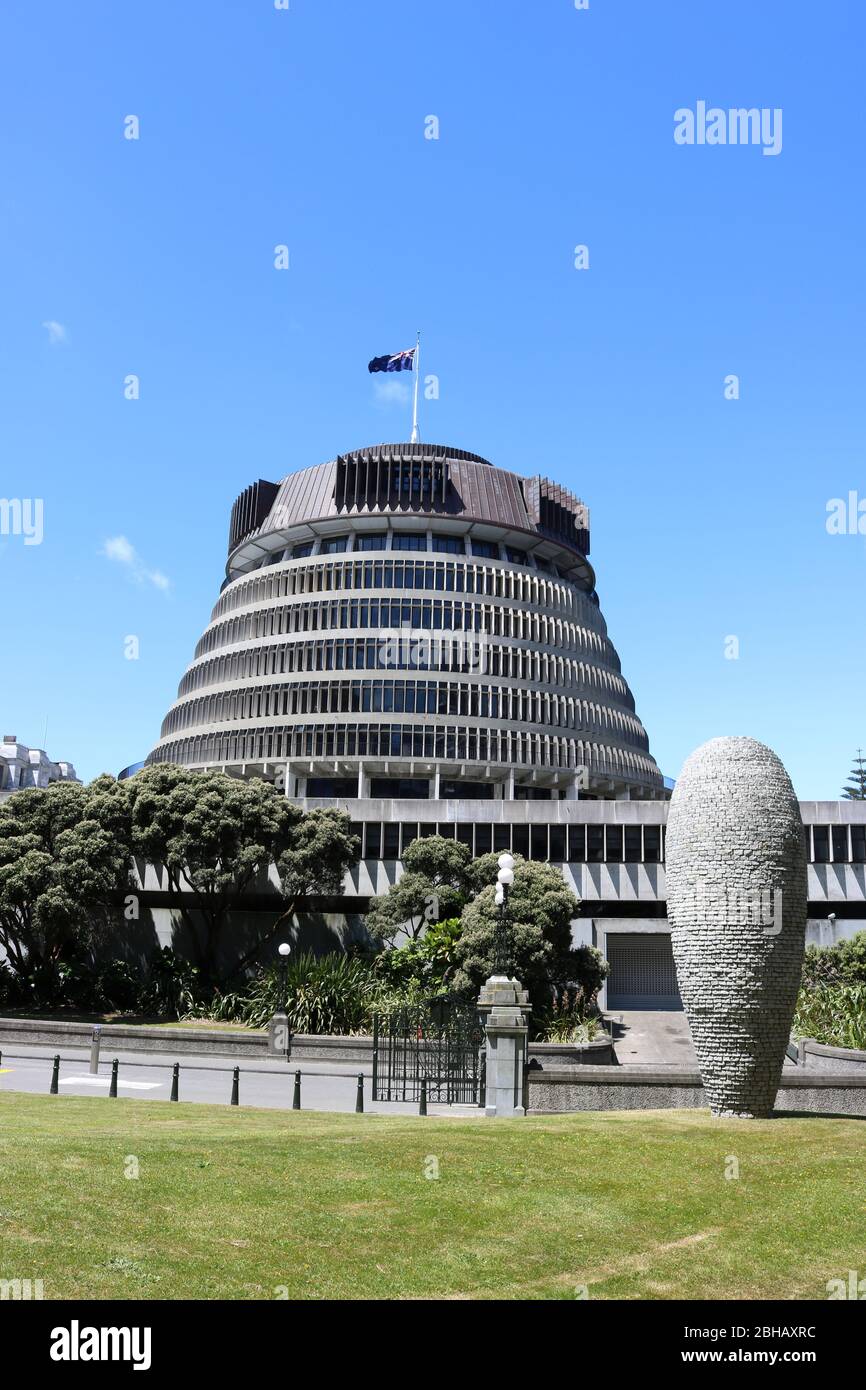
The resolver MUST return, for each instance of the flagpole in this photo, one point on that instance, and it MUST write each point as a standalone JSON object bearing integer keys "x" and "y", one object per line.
{"x": 415, "y": 435}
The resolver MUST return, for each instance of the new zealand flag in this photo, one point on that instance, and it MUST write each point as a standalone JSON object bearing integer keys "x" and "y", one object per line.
{"x": 396, "y": 362}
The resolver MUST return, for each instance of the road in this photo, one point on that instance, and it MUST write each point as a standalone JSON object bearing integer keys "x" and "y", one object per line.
{"x": 203, "y": 1078}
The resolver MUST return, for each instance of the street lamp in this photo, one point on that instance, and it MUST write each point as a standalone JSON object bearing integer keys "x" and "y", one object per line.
{"x": 280, "y": 1021}
{"x": 502, "y": 964}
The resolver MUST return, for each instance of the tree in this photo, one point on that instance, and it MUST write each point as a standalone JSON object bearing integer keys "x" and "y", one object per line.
{"x": 215, "y": 836}
{"x": 64, "y": 861}
{"x": 540, "y": 910}
{"x": 855, "y": 789}
{"x": 435, "y": 885}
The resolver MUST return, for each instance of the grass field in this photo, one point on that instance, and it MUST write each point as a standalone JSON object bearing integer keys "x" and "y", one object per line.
{"x": 243, "y": 1203}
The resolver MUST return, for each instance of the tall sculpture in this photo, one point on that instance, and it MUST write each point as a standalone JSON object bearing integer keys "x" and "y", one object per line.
{"x": 736, "y": 893}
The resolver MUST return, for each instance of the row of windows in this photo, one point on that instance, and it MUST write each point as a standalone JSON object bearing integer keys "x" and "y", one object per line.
{"x": 837, "y": 844}
{"x": 412, "y": 541}
{"x": 398, "y": 653}
{"x": 519, "y": 624}
{"x": 511, "y": 703}
{"x": 561, "y": 844}
{"x": 488, "y": 581}
{"x": 429, "y": 741}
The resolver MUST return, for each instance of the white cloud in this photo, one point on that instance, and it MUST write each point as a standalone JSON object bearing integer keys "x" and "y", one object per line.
{"x": 56, "y": 331}
{"x": 392, "y": 391}
{"x": 122, "y": 552}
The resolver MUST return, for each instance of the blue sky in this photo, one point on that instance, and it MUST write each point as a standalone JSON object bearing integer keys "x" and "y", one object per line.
{"x": 260, "y": 127}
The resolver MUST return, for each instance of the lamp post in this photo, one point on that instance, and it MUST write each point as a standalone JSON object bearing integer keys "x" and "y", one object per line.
{"x": 502, "y": 962}
{"x": 280, "y": 1037}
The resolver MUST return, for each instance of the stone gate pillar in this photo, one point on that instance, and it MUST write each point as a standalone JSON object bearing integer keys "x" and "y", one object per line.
{"x": 504, "y": 1006}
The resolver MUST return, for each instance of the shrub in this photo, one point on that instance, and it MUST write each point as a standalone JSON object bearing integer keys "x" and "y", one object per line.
{"x": 334, "y": 993}
{"x": 832, "y": 1014}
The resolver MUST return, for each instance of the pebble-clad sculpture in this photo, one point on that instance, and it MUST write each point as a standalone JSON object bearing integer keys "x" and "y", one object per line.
{"x": 736, "y": 893}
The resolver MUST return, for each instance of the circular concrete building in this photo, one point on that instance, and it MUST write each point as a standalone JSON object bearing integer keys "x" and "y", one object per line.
{"x": 410, "y": 621}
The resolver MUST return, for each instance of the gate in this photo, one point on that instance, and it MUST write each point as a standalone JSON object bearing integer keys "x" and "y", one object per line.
{"x": 440, "y": 1041}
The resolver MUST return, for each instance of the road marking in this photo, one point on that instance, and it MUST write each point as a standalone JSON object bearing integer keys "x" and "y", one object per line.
{"x": 106, "y": 1081}
{"x": 3, "y": 1070}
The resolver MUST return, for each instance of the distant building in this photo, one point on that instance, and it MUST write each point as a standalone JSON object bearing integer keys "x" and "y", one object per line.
{"x": 22, "y": 767}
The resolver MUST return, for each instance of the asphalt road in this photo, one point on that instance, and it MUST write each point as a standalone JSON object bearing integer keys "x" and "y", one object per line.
{"x": 203, "y": 1078}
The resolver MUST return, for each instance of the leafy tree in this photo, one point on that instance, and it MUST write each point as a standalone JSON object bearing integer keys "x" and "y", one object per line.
{"x": 435, "y": 885}
{"x": 215, "y": 836}
{"x": 855, "y": 789}
{"x": 425, "y": 964}
{"x": 540, "y": 909}
{"x": 64, "y": 861}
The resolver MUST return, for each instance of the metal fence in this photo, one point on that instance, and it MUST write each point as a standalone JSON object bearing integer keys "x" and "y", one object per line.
{"x": 431, "y": 1051}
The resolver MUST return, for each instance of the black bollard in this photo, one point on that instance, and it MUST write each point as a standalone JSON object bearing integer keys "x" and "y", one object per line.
{"x": 112, "y": 1090}
{"x": 422, "y": 1108}
{"x": 175, "y": 1076}
{"x": 296, "y": 1094}
{"x": 359, "y": 1098}
{"x": 55, "y": 1073}
{"x": 236, "y": 1086}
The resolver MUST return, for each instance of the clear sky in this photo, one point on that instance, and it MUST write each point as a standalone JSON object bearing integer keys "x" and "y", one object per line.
{"x": 306, "y": 127}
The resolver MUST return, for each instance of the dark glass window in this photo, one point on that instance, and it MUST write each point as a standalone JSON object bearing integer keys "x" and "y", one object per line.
{"x": 400, "y": 786}
{"x": 332, "y": 786}
{"x": 464, "y": 835}
{"x": 449, "y": 545}
{"x": 408, "y": 833}
{"x": 373, "y": 848}
{"x": 652, "y": 844}
{"x": 557, "y": 844}
{"x": 446, "y": 829}
{"x": 391, "y": 842}
{"x": 402, "y": 541}
{"x": 821, "y": 844}
{"x": 377, "y": 542}
{"x": 501, "y": 838}
{"x": 426, "y": 828}
{"x": 595, "y": 844}
{"x": 538, "y": 840}
{"x": 483, "y": 839}
{"x": 614, "y": 844}
{"x": 577, "y": 844}
{"x": 532, "y": 794}
{"x": 520, "y": 840}
{"x": 840, "y": 844}
{"x": 632, "y": 844}
{"x": 858, "y": 844}
{"x": 488, "y": 550}
{"x": 468, "y": 791}
{"x": 517, "y": 557}
{"x": 299, "y": 551}
{"x": 335, "y": 545}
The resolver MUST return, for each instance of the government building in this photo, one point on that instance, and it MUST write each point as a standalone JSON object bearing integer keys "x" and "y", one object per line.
{"x": 414, "y": 635}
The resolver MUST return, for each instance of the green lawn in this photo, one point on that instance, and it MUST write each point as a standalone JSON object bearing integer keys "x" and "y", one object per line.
{"x": 238, "y": 1203}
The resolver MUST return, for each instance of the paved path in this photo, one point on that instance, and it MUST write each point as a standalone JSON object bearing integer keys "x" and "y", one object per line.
{"x": 653, "y": 1039}
{"x": 147, "y": 1076}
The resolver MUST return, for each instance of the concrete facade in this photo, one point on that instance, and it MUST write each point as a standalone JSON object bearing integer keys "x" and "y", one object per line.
{"x": 22, "y": 767}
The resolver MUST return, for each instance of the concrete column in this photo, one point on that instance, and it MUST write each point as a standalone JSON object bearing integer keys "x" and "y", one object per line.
{"x": 504, "y": 1005}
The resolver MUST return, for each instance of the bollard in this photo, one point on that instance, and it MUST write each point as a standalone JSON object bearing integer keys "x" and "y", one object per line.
{"x": 235, "y": 1086}
{"x": 422, "y": 1108}
{"x": 55, "y": 1073}
{"x": 359, "y": 1098}
{"x": 112, "y": 1090}
{"x": 175, "y": 1077}
{"x": 296, "y": 1094}
{"x": 95, "y": 1040}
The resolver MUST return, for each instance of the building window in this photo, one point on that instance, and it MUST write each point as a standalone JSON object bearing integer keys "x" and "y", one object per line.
{"x": 840, "y": 844}
{"x": 577, "y": 844}
{"x": 632, "y": 844}
{"x": 373, "y": 847}
{"x": 614, "y": 844}
{"x": 821, "y": 844}
{"x": 483, "y": 840}
{"x": 390, "y": 841}
{"x": 652, "y": 844}
{"x": 335, "y": 545}
{"x": 377, "y": 542}
{"x": 332, "y": 786}
{"x": 501, "y": 838}
{"x": 449, "y": 545}
{"x": 858, "y": 844}
{"x": 403, "y": 541}
{"x": 558, "y": 850}
{"x": 466, "y": 791}
{"x": 299, "y": 551}
{"x": 595, "y": 844}
{"x": 517, "y": 557}
{"x": 409, "y": 787}
{"x": 488, "y": 550}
